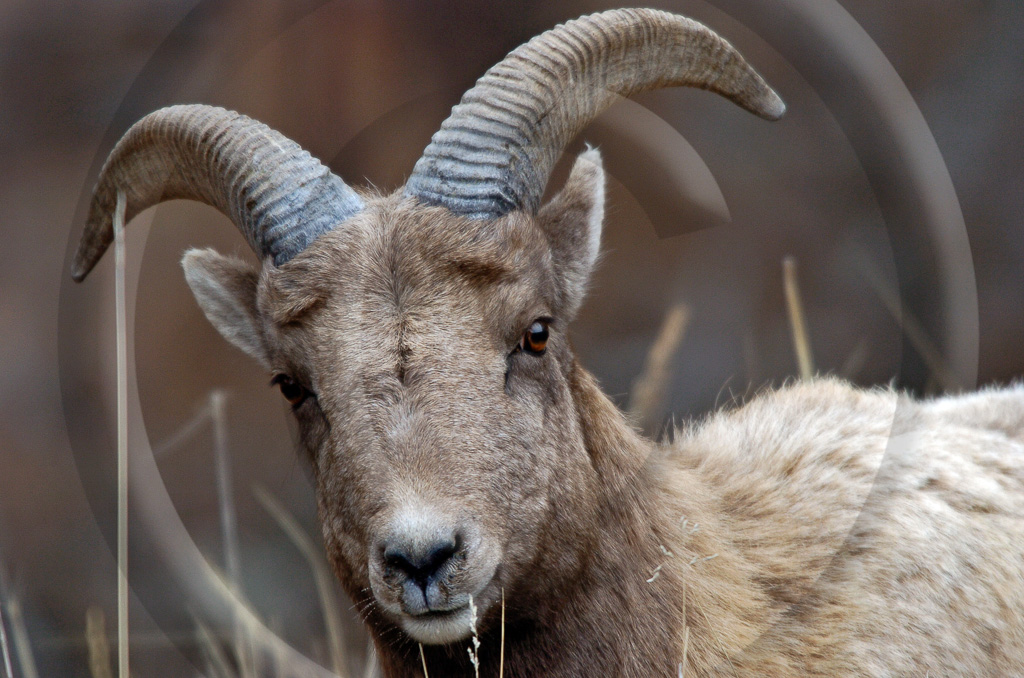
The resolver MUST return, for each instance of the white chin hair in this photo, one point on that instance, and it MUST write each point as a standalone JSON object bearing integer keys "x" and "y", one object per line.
{"x": 438, "y": 631}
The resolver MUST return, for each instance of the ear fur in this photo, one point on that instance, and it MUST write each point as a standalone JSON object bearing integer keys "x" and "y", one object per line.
{"x": 225, "y": 288}
{"x": 572, "y": 221}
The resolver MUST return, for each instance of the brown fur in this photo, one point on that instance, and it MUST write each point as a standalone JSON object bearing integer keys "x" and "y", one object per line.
{"x": 818, "y": 530}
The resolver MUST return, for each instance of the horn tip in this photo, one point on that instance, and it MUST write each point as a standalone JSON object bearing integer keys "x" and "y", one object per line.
{"x": 773, "y": 108}
{"x": 79, "y": 271}
{"x": 83, "y": 264}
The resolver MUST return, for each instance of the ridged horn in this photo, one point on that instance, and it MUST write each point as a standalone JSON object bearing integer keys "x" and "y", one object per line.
{"x": 496, "y": 150}
{"x": 278, "y": 196}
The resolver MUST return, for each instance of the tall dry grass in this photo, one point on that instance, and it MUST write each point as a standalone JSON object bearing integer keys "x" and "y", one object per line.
{"x": 329, "y": 603}
{"x": 96, "y": 640}
{"x": 797, "y": 319}
{"x": 4, "y": 603}
{"x": 122, "y": 437}
{"x": 647, "y": 396}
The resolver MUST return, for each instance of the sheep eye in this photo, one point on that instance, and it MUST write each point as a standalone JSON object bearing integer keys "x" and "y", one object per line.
{"x": 535, "y": 339}
{"x": 292, "y": 391}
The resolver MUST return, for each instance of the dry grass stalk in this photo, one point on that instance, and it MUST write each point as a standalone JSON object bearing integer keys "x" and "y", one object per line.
{"x": 717, "y": 637}
{"x": 474, "y": 648}
{"x": 686, "y": 647}
{"x": 9, "y": 672}
{"x": 797, "y": 320}
{"x": 295, "y": 664}
{"x": 217, "y": 662}
{"x": 22, "y": 644}
{"x": 229, "y": 525}
{"x": 184, "y": 432}
{"x": 501, "y": 660}
{"x": 96, "y": 639}
{"x": 252, "y": 654}
{"x": 855, "y": 360}
{"x": 912, "y": 328}
{"x": 321, "y": 574}
{"x": 647, "y": 398}
{"x": 371, "y": 669}
{"x": 122, "y": 437}
{"x": 277, "y": 662}
{"x": 225, "y": 491}
{"x": 424, "y": 660}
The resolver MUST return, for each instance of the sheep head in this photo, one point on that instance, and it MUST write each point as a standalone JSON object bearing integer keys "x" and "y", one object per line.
{"x": 420, "y": 337}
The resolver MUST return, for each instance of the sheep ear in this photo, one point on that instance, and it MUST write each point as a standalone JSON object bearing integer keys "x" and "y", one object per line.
{"x": 572, "y": 222}
{"x": 225, "y": 288}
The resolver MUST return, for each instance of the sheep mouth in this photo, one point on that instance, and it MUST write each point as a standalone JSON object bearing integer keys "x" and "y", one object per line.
{"x": 439, "y": 614}
{"x": 438, "y": 627}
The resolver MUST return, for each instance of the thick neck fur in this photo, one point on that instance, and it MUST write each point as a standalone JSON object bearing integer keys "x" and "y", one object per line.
{"x": 648, "y": 586}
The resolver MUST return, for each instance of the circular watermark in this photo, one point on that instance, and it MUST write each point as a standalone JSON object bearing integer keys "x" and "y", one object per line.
{"x": 817, "y": 39}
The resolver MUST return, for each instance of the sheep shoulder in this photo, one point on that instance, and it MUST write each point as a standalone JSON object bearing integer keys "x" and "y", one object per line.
{"x": 880, "y": 535}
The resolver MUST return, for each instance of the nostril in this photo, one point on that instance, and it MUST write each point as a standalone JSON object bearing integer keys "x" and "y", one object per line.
{"x": 398, "y": 560}
{"x": 421, "y": 564}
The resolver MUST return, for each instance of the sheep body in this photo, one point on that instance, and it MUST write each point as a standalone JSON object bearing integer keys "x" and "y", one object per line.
{"x": 875, "y": 535}
{"x": 818, "y": 530}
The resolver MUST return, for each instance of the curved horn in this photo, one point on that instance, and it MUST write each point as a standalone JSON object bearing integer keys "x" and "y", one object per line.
{"x": 278, "y": 196}
{"x": 496, "y": 150}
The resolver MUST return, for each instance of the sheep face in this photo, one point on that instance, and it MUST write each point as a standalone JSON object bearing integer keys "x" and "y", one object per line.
{"x": 426, "y": 361}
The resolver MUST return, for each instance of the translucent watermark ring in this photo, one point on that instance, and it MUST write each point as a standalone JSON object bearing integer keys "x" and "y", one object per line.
{"x": 882, "y": 122}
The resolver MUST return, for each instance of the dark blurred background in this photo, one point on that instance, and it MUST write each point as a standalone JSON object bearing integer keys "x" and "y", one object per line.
{"x": 705, "y": 201}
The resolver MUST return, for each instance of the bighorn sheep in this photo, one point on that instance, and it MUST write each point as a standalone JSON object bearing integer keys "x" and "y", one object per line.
{"x": 463, "y": 457}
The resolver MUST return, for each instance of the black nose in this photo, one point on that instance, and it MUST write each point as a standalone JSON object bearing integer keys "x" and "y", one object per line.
{"x": 421, "y": 562}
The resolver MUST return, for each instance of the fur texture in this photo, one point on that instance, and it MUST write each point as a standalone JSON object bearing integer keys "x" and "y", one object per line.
{"x": 818, "y": 530}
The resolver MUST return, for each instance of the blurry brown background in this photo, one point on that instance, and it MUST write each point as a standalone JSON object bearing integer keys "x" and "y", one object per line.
{"x": 362, "y": 85}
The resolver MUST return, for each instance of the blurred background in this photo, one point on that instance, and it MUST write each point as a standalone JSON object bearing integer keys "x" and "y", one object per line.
{"x": 896, "y": 183}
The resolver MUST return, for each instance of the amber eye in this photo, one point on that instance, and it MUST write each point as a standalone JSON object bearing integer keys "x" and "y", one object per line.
{"x": 535, "y": 339}
{"x": 292, "y": 391}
